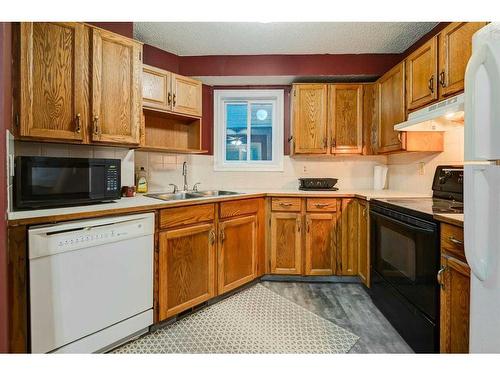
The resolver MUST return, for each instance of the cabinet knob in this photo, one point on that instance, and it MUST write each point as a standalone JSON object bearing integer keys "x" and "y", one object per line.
{"x": 455, "y": 241}
{"x": 173, "y": 100}
{"x": 78, "y": 128}
{"x": 169, "y": 98}
{"x": 96, "y": 125}
{"x": 442, "y": 81}
{"x": 431, "y": 84}
{"x": 440, "y": 277}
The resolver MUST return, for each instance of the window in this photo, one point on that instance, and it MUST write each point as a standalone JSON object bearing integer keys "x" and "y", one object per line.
{"x": 248, "y": 130}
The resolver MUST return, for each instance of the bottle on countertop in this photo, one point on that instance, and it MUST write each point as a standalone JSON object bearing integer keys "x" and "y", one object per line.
{"x": 142, "y": 181}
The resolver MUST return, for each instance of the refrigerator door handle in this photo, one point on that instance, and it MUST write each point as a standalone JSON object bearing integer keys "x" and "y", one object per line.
{"x": 482, "y": 113}
{"x": 477, "y": 208}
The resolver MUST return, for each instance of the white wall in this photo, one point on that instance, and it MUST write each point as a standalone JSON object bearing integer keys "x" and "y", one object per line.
{"x": 404, "y": 172}
{"x": 352, "y": 172}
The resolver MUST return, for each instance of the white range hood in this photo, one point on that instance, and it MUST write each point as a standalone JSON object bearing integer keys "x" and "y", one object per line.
{"x": 440, "y": 116}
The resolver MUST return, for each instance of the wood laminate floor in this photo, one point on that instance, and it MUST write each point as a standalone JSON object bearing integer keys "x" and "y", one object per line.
{"x": 349, "y": 306}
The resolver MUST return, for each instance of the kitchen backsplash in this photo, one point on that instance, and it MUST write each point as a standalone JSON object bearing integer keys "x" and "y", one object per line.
{"x": 414, "y": 172}
{"x": 162, "y": 169}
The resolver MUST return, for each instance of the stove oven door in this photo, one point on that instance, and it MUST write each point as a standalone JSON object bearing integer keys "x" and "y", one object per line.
{"x": 405, "y": 253}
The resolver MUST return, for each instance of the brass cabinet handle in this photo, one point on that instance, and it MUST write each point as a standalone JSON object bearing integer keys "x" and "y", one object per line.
{"x": 455, "y": 241}
{"x": 173, "y": 100}
{"x": 441, "y": 79}
{"x": 285, "y": 204}
{"x": 431, "y": 83}
{"x": 321, "y": 205}
{"x": 212, "y": 237}
{"x": 308, "y": 226}
{"x": 96, "y": 125}
{"x": 169, "y": 98}
{"x": 333, "y": 143}
{"x": 440, "y": 277}
{"x": 298, "y": 225}
{"x": 222, "y": 235}
{"x": 78, "y": 128}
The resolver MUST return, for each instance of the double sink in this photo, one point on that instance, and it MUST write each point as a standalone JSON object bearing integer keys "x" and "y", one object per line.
{"x": 182, "y": 195}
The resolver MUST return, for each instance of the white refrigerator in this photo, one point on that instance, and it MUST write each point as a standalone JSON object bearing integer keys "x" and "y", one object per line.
{"x": 482, "y": 188}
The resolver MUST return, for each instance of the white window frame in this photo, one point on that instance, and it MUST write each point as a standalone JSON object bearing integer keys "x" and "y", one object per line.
{"x": 221, "y": 97}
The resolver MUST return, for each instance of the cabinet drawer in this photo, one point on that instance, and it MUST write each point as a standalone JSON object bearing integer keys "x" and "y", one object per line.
{"x": 173, "y": 217}
{"x": 452, "y": 240}
{"x": 321, "y": 204}
{"x": 239, "y": 207}
{"x": 285, "y": 204}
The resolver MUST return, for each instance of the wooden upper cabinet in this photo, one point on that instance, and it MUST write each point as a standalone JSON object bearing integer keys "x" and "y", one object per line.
{"x": 391, "y": 109}
{"x": 369, "y": 118}
{"x": 455, "y": 305}
{"x": 156, "y": 88}
{"x": 455, "y": 49}
{"x": 116, "y": 88}
{"x": 186, "y": 95}
{"x": 320, "y": 243}
{"x": 186, "y": 268}
{"x": 310, "y": 119}
{"x": 53, "y": 80}
{"x": 238, "y": 240}
{"x": 421, "y": 75}
{"x": 286, "y": 247}
{"x": 346, "y": 119}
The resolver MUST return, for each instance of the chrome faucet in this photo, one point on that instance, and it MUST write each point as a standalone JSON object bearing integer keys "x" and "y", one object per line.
{"x": 184, "y": 173}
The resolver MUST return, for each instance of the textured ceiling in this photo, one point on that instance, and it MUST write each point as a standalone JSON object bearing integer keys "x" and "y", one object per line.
{"x": 253, "y": 38}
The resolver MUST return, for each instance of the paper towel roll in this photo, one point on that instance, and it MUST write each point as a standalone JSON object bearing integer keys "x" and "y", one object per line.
{"x": 379, "y": 177}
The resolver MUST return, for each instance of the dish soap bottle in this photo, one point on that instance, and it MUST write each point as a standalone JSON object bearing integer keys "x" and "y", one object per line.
{"x": 142, "y": 181}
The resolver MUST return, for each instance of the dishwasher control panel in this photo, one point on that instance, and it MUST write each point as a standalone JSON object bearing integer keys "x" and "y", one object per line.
{"x": 46, "y": 241}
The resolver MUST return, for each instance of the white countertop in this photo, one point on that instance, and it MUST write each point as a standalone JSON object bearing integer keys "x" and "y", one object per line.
{"x": 142, "y": 201}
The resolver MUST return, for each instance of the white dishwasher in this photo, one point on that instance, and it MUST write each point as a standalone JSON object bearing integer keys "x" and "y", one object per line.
{"x": 91, "y": 283}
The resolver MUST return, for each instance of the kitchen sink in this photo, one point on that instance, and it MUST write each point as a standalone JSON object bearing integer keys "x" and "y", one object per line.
{"x": 182, "y": 195}
{"x": 214, "y": 193}
{"x": 174, "y": 196}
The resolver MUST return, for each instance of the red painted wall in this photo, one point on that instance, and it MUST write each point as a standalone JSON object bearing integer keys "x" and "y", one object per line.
{"x": 5, "y": 119}
{"x": 122, "y": 28}
{"x": 295, "y": 65}
{"x": 160, "y": 58}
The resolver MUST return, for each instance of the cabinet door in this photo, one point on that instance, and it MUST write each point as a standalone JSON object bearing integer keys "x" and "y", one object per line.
{"x": 116, "y": 88}
{"x": 53, "y": 72}
{"x": 320, "y": 244}
{"x": 455, "y": 303}
{"x": 391, "y": 109}
{"x": 346, "y": 119}
{"x": 156, "y": 88}
{"x": 237, "y": 252}
{"x": 186, "y": 268}
{"x": 310, "y": 119}
{"x": 455, "y": 49}
{"x": 347, "y": 253}
{"x": 421, "y": 75}
{"x": 286, "y": 257}
{"x": 370, "y": 121}
{"x": 186, "y": 95}
{"x": 363, "y": 243}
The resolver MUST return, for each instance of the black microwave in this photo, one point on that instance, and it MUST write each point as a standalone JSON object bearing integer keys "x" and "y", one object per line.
{"x": 42, "y": 182}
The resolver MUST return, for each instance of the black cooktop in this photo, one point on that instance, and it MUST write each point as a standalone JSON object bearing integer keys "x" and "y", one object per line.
{"x": 447, "y": 197}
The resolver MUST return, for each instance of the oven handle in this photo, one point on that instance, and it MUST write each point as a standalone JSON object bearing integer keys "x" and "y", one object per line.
{"x": 407, "y": 225}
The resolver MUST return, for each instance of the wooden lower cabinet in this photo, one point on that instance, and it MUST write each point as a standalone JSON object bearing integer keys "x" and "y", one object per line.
{"x": 186, "y": 270}
{"x": 454, "y": 278}
{"x": 286, "y": 249}
{"x": 363, "y": 243}
{"x": 238, "y": 239}
{"x": 455, "y": 305}
{"x": 347, "y": 253}
{"x": 320, "y": 243}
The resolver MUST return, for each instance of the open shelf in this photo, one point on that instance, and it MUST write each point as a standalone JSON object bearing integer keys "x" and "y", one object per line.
{"x": 170, "y": 132}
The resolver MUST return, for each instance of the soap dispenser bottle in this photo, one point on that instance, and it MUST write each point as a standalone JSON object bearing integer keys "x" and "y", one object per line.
{"x": 142, "y": 181}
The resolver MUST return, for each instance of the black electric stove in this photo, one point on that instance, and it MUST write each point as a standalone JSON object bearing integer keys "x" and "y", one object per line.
{"x": 404, "y": 246}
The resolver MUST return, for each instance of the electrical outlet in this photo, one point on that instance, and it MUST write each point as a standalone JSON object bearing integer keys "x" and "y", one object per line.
{"x": 304, "y": 169}
{"x": 421, "y": 168}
